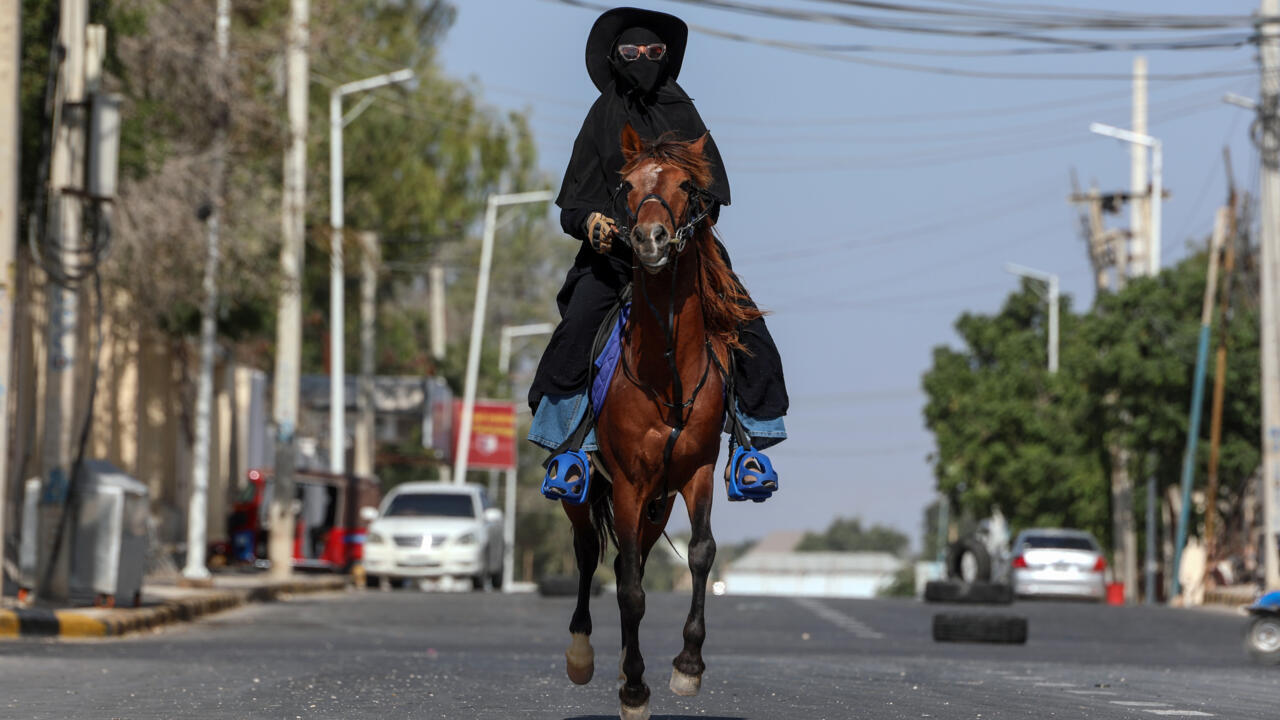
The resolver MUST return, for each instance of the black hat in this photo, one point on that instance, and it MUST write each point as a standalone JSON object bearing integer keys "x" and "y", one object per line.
{"x": 610, "y": 25}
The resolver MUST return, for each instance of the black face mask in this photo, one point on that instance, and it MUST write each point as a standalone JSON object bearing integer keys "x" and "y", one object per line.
{"x": 642, "y": 74}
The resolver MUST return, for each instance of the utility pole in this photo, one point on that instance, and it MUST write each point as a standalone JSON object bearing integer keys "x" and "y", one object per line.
{"x": 509, "y": 333}
{"x": 1197, "y": 391}
{"x": 1051, "y": 280}
{"x": 1125, "y": 534}
{"x": 363, "y": 464}
{"x": 337, "y": 275}
{"x": 1220, "y": 368}
{"x": 66, "y": 174}
{"x": 1269, "y": 52}
{"x": 437, "y": 311}
{"x": 10, "y": 144}
{"x": 463, "y": 452}
{"x": 197, "y": 507}
{"x": 289, "y": 323}
{"x": 1141, "y": 246}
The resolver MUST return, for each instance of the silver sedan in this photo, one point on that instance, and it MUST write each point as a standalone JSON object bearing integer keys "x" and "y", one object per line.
{"x": 1053, "y": 562}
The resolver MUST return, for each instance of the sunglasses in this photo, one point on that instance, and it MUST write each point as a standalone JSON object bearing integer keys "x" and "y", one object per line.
{"x": 631, "y": 53}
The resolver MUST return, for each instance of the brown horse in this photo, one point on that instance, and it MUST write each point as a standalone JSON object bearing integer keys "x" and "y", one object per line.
{"x": 659, "y": 431}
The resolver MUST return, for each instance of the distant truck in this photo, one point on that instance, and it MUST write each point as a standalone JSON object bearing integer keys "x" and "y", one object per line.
{"x": 329, "y": 534}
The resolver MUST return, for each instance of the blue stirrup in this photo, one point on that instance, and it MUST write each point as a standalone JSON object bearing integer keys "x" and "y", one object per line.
{"x": 568, "y": 477}
{"x": 751, "y": 476}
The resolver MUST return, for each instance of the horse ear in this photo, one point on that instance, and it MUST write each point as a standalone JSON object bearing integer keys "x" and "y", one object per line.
{"x": 631, "y": 144}
{"x": 701, "y": 143}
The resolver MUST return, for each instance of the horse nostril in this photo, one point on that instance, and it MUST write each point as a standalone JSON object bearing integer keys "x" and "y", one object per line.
{"x": 659, "y": 234}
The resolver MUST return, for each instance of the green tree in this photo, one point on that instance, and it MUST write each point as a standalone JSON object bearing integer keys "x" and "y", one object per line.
{"x": 848, "y": 535}
{"x": 1013, "y": 436}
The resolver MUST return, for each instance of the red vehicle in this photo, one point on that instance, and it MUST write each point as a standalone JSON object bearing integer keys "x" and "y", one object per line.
{"x": 329, "y": 534}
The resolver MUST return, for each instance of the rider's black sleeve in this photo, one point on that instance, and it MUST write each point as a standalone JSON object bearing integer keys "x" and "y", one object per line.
{"x": 573, "y": 221}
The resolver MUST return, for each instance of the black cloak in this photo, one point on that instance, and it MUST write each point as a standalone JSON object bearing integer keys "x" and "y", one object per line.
{"x": 644, "y": 93}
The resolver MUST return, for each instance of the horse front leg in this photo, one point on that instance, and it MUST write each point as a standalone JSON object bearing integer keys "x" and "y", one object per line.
{"x": 580, "y": 658}
{"x": 629, "y": 566}
{"x": 686, "y": 673}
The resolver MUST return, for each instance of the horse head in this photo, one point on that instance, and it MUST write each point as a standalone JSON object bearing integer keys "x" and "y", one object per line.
{"x": 665, "y": 182}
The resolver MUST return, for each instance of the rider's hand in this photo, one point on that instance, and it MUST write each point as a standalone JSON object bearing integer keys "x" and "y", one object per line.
{"x": 600, "y": 232}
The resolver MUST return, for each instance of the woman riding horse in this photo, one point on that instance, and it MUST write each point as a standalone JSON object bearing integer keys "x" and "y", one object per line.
{"x": 634, "y": 58}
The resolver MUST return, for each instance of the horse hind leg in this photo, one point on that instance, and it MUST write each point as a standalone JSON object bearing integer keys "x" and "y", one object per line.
{"x": 580, "y": 658}
{"x": 687, "y": 668}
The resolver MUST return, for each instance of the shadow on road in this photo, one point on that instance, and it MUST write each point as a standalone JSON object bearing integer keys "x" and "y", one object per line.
{"x": 659, "y": 717}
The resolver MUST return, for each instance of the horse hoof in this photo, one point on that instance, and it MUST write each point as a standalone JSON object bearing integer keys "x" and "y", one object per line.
{"x": 685, "y": 685}
{"x": 633, "y": 713}
{"x": 580, "y": 660}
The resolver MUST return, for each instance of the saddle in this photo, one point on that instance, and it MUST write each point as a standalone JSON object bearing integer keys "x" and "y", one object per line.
{"x": 749, "y": 475}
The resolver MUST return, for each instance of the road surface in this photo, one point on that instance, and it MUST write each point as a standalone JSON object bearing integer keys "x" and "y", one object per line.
{"x": 411, "y": 654}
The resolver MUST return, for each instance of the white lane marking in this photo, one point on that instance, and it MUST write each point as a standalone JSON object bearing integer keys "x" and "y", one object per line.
{"x": 1053, "y": 685}
{"x": 1139, "y": 704}
{"x": 1179, "y": 713}
{"x": 1028, "y": 678}
{"x": 1092, "y": 692}
{"x": 839, "y": 619}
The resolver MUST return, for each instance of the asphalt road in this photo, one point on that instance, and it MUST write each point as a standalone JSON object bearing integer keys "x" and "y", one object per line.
{"x": 408, "y": 654}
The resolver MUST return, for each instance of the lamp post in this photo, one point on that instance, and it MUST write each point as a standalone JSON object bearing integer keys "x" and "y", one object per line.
{"x": 1157, "y": 183}
{"x": 462, "y": 455}
{"x": 1052, "y": 281}
{"x": 509, "y": 492}
{"x": 337, "y": 324}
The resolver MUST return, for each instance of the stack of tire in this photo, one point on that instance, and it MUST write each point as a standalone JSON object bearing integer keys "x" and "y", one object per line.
{"x": 969, "y": 582}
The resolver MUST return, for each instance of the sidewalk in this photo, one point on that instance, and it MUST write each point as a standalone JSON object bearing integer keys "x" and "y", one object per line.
{"x": 163, "y": 603}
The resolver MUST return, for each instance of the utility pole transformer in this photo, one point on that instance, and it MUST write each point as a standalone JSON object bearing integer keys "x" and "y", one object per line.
{"x": 289, "y": 324}
{"x": 10, "y": 144}
{"x": 1269, "y": 52}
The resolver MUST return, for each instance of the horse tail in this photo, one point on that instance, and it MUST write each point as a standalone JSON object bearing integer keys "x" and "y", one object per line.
{"x": 600, "y": 500}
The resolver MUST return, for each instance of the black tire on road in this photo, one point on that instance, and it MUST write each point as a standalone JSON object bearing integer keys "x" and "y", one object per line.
{"x": 558, "y": 586}
{"x": 954, "y": 591}
{"x": 980, "y": 628}
{"x": 981, "y": 558}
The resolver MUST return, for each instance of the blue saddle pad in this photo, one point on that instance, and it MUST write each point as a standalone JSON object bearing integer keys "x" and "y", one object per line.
{"x": 607, "y": 361}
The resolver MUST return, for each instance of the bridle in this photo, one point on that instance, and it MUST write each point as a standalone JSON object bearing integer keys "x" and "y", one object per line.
{"x": 699, "y": 209}
{"x": 700, "y": 204}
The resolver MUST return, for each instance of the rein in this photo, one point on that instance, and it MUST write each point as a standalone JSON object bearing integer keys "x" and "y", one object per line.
{"x": 681, "y": 406}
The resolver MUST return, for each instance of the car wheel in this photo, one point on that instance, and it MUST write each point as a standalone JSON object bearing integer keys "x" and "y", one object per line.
{"x": 1262, "y": 640}
{"x": 984, "y": 628}
{"x": 477, "y": 582}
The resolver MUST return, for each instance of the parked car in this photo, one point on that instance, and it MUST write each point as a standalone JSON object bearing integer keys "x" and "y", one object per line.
{"x": 1053, "y": 562}
{"x": 435, "y": 530}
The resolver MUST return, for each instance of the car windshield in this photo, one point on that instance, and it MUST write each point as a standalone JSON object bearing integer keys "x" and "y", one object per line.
{"x": 431, "y": 505}
{"x": 1043, "y": 542}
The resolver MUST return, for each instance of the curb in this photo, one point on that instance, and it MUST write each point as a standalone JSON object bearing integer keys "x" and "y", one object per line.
{"x": 42, "y": 622}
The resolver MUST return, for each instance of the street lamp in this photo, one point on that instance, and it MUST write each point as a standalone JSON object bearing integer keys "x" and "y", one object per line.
{"x": 1052, "y": 281}
{"x": 1157, "y": 183}
{"x": 477, "y": 322}
{"x": 337, "y": 323}
{"x": 509, "y": 493}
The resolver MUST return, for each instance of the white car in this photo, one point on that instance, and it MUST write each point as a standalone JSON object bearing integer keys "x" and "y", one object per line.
{"x": 434, "y": 530}
{"x": 1053, "y": 562}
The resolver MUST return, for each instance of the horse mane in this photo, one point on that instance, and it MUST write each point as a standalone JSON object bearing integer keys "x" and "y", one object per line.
{"x": 726, "y": 306}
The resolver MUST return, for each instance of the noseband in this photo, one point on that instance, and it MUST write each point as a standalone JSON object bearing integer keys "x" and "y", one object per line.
{"x": 700, "y": 204}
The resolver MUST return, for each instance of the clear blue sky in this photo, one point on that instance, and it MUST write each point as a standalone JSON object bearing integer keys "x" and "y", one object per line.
{"x": 872, "y": 206}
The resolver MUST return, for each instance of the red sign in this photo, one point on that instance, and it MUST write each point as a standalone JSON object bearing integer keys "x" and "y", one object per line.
{"x": 493, "y": 434}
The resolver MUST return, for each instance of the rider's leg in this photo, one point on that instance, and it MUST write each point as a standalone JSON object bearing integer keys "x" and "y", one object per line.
{"x": 590, "y": 289}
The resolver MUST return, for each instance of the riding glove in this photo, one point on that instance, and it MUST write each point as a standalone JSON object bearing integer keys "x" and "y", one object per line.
{"x": 600, "y": 232}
